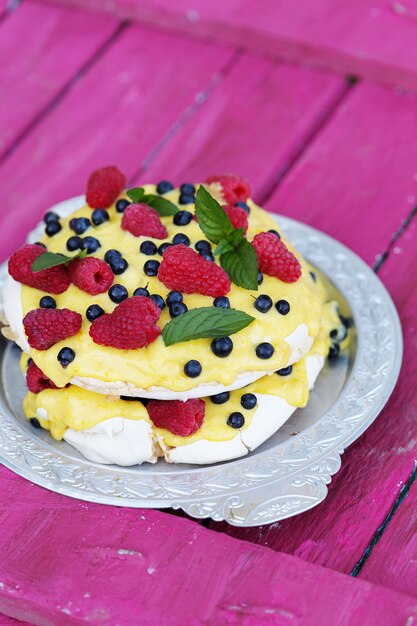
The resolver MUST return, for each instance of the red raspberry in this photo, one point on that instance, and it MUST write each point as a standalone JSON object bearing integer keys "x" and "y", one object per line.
{"x": 235, "y": 188}
{"x": 180, "y": 418}
{"x": 104, "y": 186}
{"x": 45, "y": 327}
{"x": 130, "y": 326}
{"x": 275, "y": 259}
{"x": 91, "y": 275}
{"x": 141, "y": 219}
{"x": 53, "y": 280}
{"x": 237, "y": 216}
{"x": 36, "y": 379}
{"x": 184, "y": 270}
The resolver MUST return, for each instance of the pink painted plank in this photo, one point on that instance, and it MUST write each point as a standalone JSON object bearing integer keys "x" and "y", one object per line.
{"x": 374, "y": 40}
{"x": 145, "y": 567}
{"x": 40, "y": 50}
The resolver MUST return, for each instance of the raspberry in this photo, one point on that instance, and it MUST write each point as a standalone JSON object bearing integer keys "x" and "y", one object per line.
{"x": 237, "y": 216}
{"x": 141, "y": 219}
{"x": 36, "y": 379}
{"x": 130, "y": 326}
{"x": 53, "y": 279}
{"x": 234, "y": 188}
{"x": 45, "y": 327}
{"x": 91, "y": 275}
{"x": 104, "y": 186}
{"x": 275, "y": 259}
{"x": 184, "y": 270}
{"x": 180, "y": 418}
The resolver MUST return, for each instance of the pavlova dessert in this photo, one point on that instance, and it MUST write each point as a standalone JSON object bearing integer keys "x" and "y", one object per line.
{"x": 162, "y": 322}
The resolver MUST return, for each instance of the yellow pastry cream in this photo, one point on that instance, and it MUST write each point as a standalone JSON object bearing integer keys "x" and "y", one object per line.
{"x": 157, "y": 364}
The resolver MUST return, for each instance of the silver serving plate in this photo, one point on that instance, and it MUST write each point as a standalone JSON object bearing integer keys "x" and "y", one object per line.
{"x": 289, "y": 473}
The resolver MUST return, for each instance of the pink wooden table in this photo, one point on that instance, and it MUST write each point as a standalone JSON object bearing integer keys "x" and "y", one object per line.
{"x": 180, "y": 90}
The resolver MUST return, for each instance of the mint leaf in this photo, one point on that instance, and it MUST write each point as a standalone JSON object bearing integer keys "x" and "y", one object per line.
{"x": 241, "y": 264}
{"x": 223, "y": 246}
{"x": 136, "y": 194}
{"x": 52, "y": 259}
{"x": 211, "y": 218}
{"x": 205, "y": 322}
{"x": 161, "y": 205}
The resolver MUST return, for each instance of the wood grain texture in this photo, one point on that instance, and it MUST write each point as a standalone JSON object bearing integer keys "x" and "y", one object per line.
{"x": 373, "y": 40}
{"x": 40, "y": 51}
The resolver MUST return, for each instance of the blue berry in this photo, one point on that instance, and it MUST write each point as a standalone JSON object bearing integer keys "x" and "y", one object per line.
{"x": 283, "y": 307}
{"x": 222, "y": 346}
{"x": 187, "y": 189}
{"x": 159, "y": 301}
{"x": 206, "y": 255}
{"x": 260, "y": 278}
{"x": 248, "y": 401}
{"x": 178, "y": 308}
{"x": 174, "y": 297}
{"x": 264, "y": 350}
{"x": 74, "y": 243}
{"x": 50, "y": 216}
{"x": 141, "y": 291}
{"x": 66, "y": 356}
{"x": 275, "y": 232}
{"x": 186, "y": 199}
{"x": 99, "y": 216}
{"x": 121, "y": 205}
{"x": 52, "y": 228}
{"x": 181, "y": 238}
{"x": 93, "y": 312}
{"x": 285, "y": 371}
{"x": 163, "y": 247}
{"x": 243, "y": 206}
{"x": 47, "y": 302}
{"x": 313, "y": 277}
{"x": 117, "y": 293}
{"x": 91, "y": 244}
{"x": 112, "y": 255}
{"x": 35, "y": 422}
{"x": 222, "y": 302}
{"x": 164, "y": 186}
{"x": 263, "y": 303}
{"x": 40, "y": 244}
{"x": 151, "y": 267}
{"x": 220, "y": 398}
{"x": 182, "y": 218}
{"x": 119, "y": 266}
{"x": 192, "y": 368}
{"x": 334, "y": 352}
{"x": 148, "y": 248}
{"x": 79, "y": 225}
{"x": 235, "y": 420}
{"x": 203, "y": 246}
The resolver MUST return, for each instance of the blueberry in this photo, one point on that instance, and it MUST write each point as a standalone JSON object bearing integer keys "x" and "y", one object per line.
{"x": 164, "y": 186}
{"x": 220, "y": 398}
{"x": 129, "y": 398}
{"x": 313, "y": 277}
{"x": 222, "y": 346}
{"x": 260, "y": 278}
{"x": 203, "y": 246}
{"x": 40, "y": 244}
{"x": 99, "y": 216}
{"x": 151, "y": 267}
{"x": 159, "y": 301}
{"x": 52, "y": 228}
{"x": 163, "y": 247}
{"x": 339, "y": 334}
{"x": 35, "y": 422}
{"x": 79, "y": 225}
{"x": 235, "y": 420}
{"x": 119, "y": 265}
{"x": 30, "y": 360}
{"x": 187, "y": 189}
{"x": 117, "y": 293}
{"x": 186, "y": 199}
{"x": 206, "y": 255}
{"x": 74, "y": 243}
{"x": 141, "y": 291}
{"x": 178, "y": 308}
{"x": 93, "y": 312}
{"x": 263, "y": 303}
{"x": 47, "y": 302}
{"x": 264, "y": 350}
{"x": 275, "y": 232}
{"x": 285, "y": 371}
{"x": 283, "y": 307}
{"x": 91, "y": 244}
{"x": 66, "y": 356}
{"x": 222, "y": 302}
{"x": 112, "y": 255}
{"x": 334, "y": 352}
{"x": 192, "y": 368}
{"x": 243, "y": 206}
{"x": 248, "y": 401}
{"x": 181, "y": 238}
{"x": 174, "y": 297}
{"x": 121, "y": 205}
{"x": 148, "y": 248}
{"x": 50, "y": 216}
{"x": 182, "y": 218}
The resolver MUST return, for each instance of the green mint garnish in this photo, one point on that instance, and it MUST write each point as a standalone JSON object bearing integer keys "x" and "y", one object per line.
{"x": 52, "y": 259}
{"x": 161, "y": 205}
{"x": 237, "y": 257}
{"x": 205, "y": 322}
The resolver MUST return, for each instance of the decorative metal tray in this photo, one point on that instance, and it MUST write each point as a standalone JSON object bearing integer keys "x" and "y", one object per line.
{"x": 289, "y": 473}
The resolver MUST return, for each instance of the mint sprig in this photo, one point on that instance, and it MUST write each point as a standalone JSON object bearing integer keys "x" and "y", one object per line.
{"x": 161, "y": 205}
{"x": 237, "y": 257}
{"x": 52, "y": 259}
{"x": 205, "y": 322}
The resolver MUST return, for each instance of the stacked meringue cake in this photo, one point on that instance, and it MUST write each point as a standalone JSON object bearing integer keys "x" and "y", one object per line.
{"x": 163, "y": 322}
